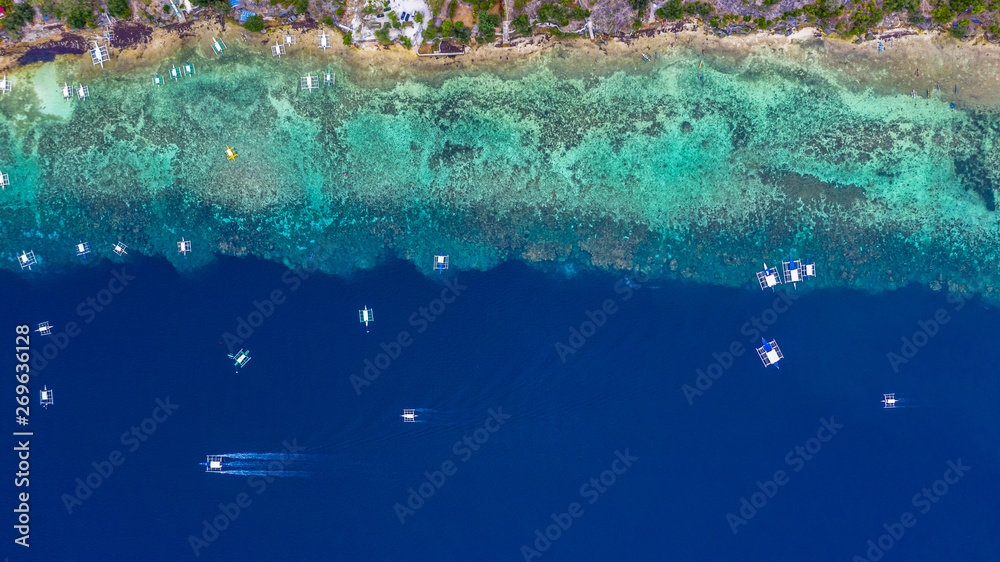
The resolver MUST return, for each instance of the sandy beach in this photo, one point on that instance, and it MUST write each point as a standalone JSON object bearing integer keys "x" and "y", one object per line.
{"x": 916, "y": 60}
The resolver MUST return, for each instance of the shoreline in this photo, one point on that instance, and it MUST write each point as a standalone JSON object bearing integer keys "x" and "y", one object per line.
{"x": 927, "y": 53}
{"x": 158, "y": 40}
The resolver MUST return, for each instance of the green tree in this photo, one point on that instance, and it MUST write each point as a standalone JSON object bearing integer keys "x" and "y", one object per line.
{"x": 942, "y": 14}
{"x": 489, "y": 34}
{"x": 488, "y": 20}
{"x": 462, "y": 33}
{"x": 452, "y": 8}
{"x": 78, "y": 17}
{"x": 522, "y": 24}
{"x": 301, "y": 6}
{"x": 221, "y": 6}
{"x": 418, "y": 17}
{"x": 254, "y": 23}
{"x": 900, "y": 5}
{"x": 383, "y": 34}
{"x": 347, "y": 38}
{"x": 672, "y": 10}
{"x": 117, "y": 8}
{"x": 553, "y": 13}
{"x": 18, "y": 15}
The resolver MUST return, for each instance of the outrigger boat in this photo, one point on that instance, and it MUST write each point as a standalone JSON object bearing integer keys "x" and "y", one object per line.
{"x": 792, "y": 270}
{"x": 768, "y": 278}
{"x": 214, "y": 463}
{"x": 366, "y": 316}
{"x": 46, "y": 397}
{"x": 440, "y": 262}
{"x": 83, "y": 248}
{"x": 241, "y": 358}
{"x": 809, "y": 270}
{"x": 769, "y": 353}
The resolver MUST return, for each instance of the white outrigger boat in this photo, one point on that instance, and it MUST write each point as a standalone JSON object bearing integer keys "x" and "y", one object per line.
{"x": 795, "y": 272}
{"x": 409, "y": 415}
{"x": 792, "y": 270}
{"x": 47, "y": 398}
{"x": 240, "y": 358}
{"x": 440, "y": 262}
{"x": 769, "y": 353}
{"x": 768, "y": 278}
{"x": 366, "y": 316}
{"x": 214, "y": 463}
{"x": 889, "y": 400}
{"x": 809, "y": 270}
{"x": 27, "y": 259}
{"x": 83, "y": 248}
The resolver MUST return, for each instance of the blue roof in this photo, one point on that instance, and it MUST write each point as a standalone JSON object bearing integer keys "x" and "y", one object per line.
{"x": 234, "y": 3}
{"x": 246, "y": 14}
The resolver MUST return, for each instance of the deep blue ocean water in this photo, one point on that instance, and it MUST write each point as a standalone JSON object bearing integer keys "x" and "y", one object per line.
{"x": 621, "y": 394}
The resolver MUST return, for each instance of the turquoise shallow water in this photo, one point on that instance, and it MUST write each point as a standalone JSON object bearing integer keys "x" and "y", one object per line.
{"x": 639, "y": 167}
